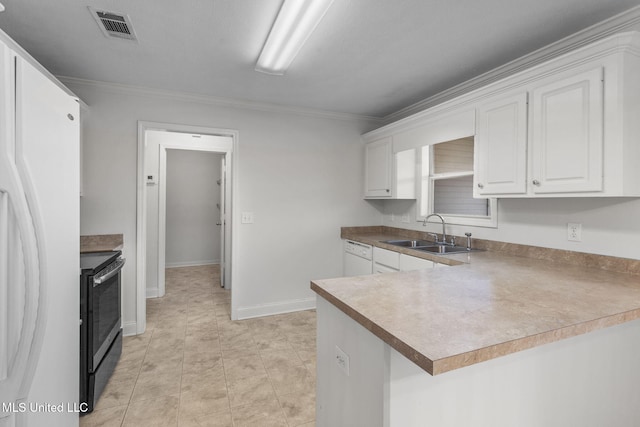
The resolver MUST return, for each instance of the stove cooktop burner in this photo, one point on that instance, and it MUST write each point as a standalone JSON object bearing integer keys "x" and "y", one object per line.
{"x": 95, "y": 261}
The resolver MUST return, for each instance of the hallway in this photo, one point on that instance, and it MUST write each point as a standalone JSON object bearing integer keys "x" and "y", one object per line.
{"x": 195, "y": 367}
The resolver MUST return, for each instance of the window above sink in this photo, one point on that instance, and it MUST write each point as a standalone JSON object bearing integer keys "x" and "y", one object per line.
{"x": 446, "y": 185}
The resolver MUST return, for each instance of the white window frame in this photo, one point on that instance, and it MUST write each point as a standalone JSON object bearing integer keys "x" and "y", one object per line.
{"x": 426, "y": 191}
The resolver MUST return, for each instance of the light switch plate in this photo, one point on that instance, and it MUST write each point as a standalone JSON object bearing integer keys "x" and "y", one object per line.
{"x": 246, "y": 218}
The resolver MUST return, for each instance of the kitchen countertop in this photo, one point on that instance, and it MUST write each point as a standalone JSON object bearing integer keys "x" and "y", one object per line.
{"x": 101, "y": 243}
{"x": 488, "y": 305}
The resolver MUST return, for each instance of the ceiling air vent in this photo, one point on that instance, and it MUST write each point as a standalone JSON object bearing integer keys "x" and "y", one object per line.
{"x": 114, "y": 24}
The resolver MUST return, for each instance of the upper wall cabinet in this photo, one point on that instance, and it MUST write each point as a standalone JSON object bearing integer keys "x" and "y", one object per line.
{"x": 389, "y": 174}
{"x": 378, "y": 168}
{"x": 581, "y": 136}
{"x": 501, "y": 145}
{"x": 567, "y": 137}
{"x": 567, "y": 127}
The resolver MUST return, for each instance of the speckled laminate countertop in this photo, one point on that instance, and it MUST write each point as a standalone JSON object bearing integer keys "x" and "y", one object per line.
{"x": 101, "y": 243}
{"x": 489, "y": 305}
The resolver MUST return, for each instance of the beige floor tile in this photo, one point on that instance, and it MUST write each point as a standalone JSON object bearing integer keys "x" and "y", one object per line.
{"x": 219, "y": 419}
{"x": 195, "y": 367}
{"x": 298, "y": 408}
{"x": 241, "y": 341}
{"x": 109, "y": 417}
{"x": 116, "y": 393}
{"x": 280, "y": 358}
{"x": 274, "y": 342}
{"x": 204, "y": 380}
{"x": 204, "y": 402}
{"x": 159, "y": 412}
{"x": 202, "y": 344}
{"x": 241, "y": 367}
{"x": 268, "y": 414}
{"x": 292, "y": 379}
{"x": 127, "y": 370}
{"x": 234, "y": 353}
{"x": 156, "y": 384}
{"x": 199, "y": 362}
{"x": 250, "y": 390}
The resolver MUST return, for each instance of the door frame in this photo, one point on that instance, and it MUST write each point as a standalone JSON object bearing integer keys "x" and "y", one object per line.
{"x": 141, "y": 220}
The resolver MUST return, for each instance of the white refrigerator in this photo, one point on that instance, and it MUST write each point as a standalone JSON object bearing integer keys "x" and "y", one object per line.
{"x": 39, "y": 245}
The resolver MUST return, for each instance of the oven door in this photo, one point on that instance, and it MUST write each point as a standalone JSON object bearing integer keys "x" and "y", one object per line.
{"x": 104, "y": 311}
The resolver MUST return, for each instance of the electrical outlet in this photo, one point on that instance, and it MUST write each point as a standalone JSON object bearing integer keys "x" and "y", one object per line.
{"x": 393, "y": 217}
{"x": 405, "y": 219}
{"x": 574, "y": 232}
{"x": 342, "y": 360}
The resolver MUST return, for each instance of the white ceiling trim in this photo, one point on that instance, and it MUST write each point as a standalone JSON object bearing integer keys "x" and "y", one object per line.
{"x": 613, "y": 25}
{"x": 213, "y": 100}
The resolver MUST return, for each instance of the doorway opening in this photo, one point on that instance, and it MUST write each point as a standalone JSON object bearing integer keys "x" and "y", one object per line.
{"x": 155, "y": 143}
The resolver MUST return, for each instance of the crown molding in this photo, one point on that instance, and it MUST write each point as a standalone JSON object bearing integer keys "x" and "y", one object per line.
{"x": 213, "y": 100}
{"x": 618, "y": 23}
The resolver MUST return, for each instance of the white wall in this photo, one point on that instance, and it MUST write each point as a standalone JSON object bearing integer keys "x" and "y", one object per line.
{"x": 301, "y": 175}
{"x": 610, "y": 226}
{"x": 192, "y": 236}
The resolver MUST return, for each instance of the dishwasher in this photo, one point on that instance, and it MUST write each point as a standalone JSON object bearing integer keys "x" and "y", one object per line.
{"x": 357, "y": 259}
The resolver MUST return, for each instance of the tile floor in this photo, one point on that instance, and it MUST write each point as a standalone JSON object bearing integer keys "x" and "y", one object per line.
{"x": 196, "y": 367}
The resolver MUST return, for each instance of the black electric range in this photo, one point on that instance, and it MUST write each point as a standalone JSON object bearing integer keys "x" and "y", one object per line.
{"x": 100, "y": 327}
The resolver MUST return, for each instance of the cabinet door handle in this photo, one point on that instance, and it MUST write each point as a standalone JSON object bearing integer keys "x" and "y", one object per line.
{"x": 536, "y": 182}
{"x": 480, "y": 185}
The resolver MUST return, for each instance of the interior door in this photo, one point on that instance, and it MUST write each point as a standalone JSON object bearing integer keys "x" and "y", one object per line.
{"x": 222, "y": 221}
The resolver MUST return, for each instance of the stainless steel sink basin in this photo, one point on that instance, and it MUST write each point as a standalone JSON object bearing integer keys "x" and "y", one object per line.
{"x": 429, "y": 246}
{"x": 409, "y": 243}
{"x": 443, "y": 249}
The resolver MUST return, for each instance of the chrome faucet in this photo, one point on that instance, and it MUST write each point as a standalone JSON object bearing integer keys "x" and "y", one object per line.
{"x": 444, "y": 234}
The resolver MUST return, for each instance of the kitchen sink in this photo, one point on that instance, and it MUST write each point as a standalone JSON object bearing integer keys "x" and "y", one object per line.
{"x": 409, "y": 243}
{"x": 429, "y": 246}
{"x": 443, "y": 249}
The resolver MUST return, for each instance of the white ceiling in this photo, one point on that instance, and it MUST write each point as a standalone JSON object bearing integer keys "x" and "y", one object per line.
{"x": 367, "y": 57}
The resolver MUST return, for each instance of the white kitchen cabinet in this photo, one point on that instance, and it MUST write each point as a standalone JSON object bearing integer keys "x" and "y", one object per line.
{"x": 385, "y": 261}
{"x": 501, "y": 146}
{"x": 389, "y": 175}
{"x": 438, "y": 265}
{"x": 566, "y": 145}
{"x": 566, "y": 127}
{"x": 567, "y": 133}
{"x": 378, "y": 158}
{"x": 408, "y": 263}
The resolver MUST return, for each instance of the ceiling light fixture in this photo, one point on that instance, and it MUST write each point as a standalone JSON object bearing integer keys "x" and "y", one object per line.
{"x": 294, "y": 24}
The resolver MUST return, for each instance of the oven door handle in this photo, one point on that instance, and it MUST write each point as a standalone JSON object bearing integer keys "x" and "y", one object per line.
{"x": 117, "y": 266}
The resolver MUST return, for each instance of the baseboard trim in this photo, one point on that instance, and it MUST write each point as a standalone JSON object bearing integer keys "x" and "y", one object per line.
{"x": 270, "y": 309}
{"x": 129, "y": 329}
{"x": 152, "y": 292}
{"x": 191, "y": 263}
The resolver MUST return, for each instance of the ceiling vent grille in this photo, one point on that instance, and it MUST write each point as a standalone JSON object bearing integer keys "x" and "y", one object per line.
{"x": 114, "y": 24}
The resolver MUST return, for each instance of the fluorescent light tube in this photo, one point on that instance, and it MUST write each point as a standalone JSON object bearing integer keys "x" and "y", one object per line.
{"x": 294, "y": 24}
